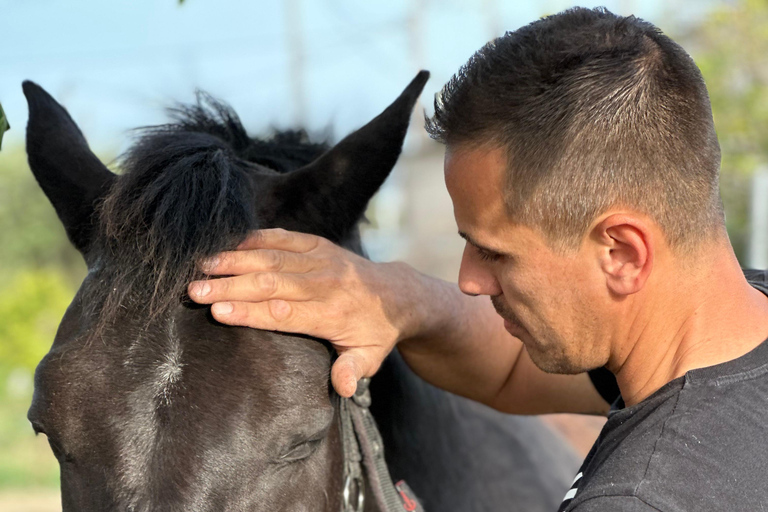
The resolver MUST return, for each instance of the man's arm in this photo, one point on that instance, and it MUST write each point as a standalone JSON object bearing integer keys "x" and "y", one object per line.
{"x": 292, "y": 282}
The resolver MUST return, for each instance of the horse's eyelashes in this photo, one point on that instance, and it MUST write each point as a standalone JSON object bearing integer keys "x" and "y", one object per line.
{"x": 37, "y": 427}
{"x": 58, "y": 452}
{"x": 300, "y": 451}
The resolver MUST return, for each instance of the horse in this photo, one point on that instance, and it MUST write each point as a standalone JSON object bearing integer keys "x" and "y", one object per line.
{"x": 149, "y": 404}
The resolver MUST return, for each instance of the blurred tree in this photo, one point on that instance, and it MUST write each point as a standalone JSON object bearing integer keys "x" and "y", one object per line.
{"x": 41, "y": 272}
{"x": 32, "y": 304}
{"x": 33, "y": 237}
{"x": 731, "y": 48}
{"x": 40, "y": 268}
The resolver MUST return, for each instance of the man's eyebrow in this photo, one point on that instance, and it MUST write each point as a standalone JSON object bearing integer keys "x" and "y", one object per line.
{"x": 474, "y": 243}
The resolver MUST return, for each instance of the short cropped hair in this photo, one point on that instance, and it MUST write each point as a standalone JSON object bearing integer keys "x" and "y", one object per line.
{"x": 594, "y": 110}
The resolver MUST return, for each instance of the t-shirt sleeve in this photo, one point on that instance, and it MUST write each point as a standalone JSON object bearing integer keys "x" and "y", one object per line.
{"x": 614, "y": 504}
{"x": 605, "y": 384}
{"x": 757, "y": 278}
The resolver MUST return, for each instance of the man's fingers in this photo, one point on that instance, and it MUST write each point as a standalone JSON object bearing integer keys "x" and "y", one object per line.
{"x": 262, "y": 260}
{"x": 257, "y": 287}
{"x": 278, "y": 315}
{"x": 350, "y": 367}
{"x": 272, "y": 315}
{"x": 280, "y": 239}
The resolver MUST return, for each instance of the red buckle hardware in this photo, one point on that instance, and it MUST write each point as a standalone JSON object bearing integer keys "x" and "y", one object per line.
{"x": 410, "y": 503}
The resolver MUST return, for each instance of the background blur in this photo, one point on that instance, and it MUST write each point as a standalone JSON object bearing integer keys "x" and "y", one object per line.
{"x": 326, "y": 65}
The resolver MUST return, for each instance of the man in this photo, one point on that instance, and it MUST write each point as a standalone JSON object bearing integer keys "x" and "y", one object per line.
{"x": 582, "y": 162}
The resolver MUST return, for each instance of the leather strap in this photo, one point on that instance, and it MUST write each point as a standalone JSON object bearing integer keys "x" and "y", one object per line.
{"x": 363, "y": 448}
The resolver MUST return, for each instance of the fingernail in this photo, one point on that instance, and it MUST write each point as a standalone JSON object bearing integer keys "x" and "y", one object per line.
{"x": 222, "y": 308}
{"x": 209, "y": 264}
{"x": 201, "y": 289}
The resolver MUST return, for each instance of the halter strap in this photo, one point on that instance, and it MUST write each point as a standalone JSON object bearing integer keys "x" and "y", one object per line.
{"x": 364, "y": 459}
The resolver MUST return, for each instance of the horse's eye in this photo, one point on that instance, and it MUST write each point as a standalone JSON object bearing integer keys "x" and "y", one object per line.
{"x": 300, "y": 451}
{"x": 60, "y": 454}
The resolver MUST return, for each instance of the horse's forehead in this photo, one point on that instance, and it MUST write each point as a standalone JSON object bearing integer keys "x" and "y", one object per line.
{"x": 185, "y": 363}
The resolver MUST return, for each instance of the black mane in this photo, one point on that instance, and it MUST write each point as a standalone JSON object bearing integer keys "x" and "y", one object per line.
{"x": 185, "y": 193}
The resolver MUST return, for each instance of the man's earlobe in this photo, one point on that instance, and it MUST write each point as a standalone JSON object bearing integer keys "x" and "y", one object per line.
{"x": 626, "y": 252}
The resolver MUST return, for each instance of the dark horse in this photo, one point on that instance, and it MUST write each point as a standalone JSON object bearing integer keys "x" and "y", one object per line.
{"x": 151, "y": 405}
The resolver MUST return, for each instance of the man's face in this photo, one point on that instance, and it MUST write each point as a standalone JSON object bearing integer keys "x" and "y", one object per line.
{"x": 554, "y": 303}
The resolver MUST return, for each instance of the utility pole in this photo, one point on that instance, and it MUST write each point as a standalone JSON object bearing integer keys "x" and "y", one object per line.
{"x": 418, "y": 58}
{"x": 296, "y": 60}
{"x": 493, "y": 19}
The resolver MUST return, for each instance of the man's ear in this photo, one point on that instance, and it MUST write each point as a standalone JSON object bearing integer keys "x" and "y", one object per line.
{"x": 626, "y": 252}
{"x": 70, "y": 174}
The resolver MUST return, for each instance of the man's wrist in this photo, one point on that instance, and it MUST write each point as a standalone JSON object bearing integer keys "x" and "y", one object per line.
{"x": 404, "y": 292}
{"x": 419, "y": 304}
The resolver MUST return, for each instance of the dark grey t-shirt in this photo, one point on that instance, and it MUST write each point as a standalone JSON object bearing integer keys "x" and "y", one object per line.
{"x": 698, "y": 444}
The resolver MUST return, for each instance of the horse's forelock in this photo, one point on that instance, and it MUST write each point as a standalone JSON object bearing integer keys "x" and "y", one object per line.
{"x": 186, "y": 193}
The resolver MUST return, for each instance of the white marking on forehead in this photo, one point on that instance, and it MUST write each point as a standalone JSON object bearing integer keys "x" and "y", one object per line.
{"x": 139, "y": 438}
{"x": 169, "y": 371}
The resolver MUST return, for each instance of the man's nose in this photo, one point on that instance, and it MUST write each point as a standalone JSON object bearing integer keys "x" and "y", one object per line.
{"x": 475, "y": 278}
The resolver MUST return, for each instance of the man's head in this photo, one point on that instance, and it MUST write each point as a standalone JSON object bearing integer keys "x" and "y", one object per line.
{"x": 577, "y": 146}
{"x": 593, "y": 110}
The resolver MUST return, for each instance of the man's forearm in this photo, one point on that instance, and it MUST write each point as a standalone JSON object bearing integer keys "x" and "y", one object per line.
{"x": 455, "y": 341}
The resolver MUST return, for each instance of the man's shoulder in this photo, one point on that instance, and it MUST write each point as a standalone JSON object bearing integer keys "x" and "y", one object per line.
{"x": 757, "y": 278}
{"x": 614, "y": 504}
{"x": 700, "y": 446}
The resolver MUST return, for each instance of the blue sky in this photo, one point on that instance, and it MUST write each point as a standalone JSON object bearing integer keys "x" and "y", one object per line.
{"x": 116, "y": 64}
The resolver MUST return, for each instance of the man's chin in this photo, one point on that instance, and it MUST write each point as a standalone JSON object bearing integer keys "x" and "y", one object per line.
{"x": 554, "y": 361}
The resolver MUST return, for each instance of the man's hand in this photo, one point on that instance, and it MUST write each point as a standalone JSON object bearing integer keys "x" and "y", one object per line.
{"x": 292, "y": 282}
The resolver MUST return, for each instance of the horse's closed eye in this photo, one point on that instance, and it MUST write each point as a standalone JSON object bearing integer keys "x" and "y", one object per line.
{"x": 300, "y": 451}
{"x": 60, "y": 454}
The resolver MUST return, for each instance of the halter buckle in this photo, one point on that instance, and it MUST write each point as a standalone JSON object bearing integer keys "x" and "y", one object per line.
{"x": 362, "y": 396}
{"x": 359, "y": 503}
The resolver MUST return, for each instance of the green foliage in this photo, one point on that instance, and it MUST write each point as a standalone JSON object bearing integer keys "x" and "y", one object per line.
{"x": 41, "y": 269}
{"x": 32, "y": 234}
{"x": 41, "y": 272}
{"x": 731, "y": 49}
{"x": 25, "y": 459}
{"x": 32, "y": 303}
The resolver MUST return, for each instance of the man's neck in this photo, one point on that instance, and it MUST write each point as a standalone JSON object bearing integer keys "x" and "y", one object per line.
{"x": 707, "y": 316}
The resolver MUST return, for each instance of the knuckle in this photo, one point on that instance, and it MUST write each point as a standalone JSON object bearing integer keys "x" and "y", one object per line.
{"x": 349, "y": 268}
{"x": 235, "y": 259}
{"x": 280, "y": 310}
{"x": 330, "y": 280}
{"x": 282, "y": 233}
{"x": 275, "y": 261}
{"x": 320, "y": 243}
{"x": 266, "y": 282}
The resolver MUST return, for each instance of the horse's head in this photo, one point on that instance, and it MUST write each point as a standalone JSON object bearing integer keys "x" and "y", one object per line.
{"x": 147, "y": 402}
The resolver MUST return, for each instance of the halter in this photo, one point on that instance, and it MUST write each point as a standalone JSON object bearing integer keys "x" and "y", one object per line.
{"x": 364, "y": 457}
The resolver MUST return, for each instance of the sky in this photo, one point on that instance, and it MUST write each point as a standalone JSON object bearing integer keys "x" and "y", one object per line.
{"x": 320, "y": 64}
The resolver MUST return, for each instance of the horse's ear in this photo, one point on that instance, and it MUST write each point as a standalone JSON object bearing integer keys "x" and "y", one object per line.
{"x": 64, "y": 166}
{"x": 330, "y": 195}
